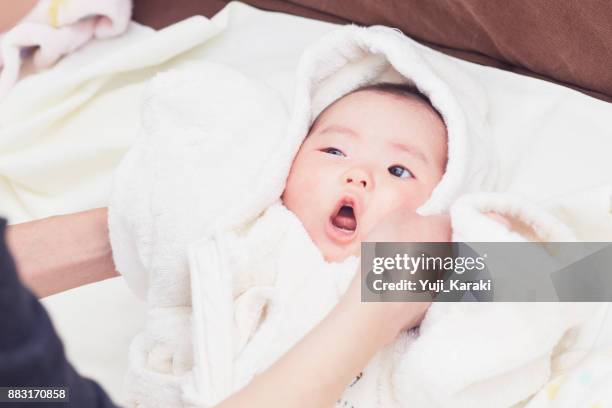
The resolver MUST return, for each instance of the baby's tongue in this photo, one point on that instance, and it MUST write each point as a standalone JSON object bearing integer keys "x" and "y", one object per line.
{"x": 345, "y": 221}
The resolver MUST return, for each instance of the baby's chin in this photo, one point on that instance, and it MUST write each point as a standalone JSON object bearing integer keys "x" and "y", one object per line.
{"x": 334, "y": 253}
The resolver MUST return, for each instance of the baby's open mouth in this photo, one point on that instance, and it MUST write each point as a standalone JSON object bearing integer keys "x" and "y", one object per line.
{"x": 345, "y": 219}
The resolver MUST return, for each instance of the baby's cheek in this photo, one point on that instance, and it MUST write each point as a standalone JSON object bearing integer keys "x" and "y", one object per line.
{"x": 302, "y": 196}
{"x": 415, "y": 197}
{"x": 399, "y": 199}
{"x": 386, "y": 203}
{"x": 298, "y": 193}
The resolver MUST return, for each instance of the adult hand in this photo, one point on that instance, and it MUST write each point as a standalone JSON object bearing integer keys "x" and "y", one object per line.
{"x": 408, "y": 226}
{"x": 385, "y": 319}
{"x": 388, "y": 319}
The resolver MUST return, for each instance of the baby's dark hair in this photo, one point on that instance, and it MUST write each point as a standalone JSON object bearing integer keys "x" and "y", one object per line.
{"x": 403, "y": 90}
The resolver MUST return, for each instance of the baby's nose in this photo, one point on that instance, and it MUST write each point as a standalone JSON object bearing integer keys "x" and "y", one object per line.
{"x": 359, "y": 178}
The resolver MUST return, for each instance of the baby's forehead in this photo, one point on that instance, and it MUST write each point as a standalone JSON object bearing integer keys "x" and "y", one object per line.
{"x": 362, "y": 102}
{"x": 381, "y": 110}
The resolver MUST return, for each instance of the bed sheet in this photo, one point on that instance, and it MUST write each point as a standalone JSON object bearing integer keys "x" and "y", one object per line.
{"x": 63, "y": 131}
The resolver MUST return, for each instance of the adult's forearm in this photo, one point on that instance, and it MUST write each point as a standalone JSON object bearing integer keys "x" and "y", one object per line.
{"x": 62, "y": 252}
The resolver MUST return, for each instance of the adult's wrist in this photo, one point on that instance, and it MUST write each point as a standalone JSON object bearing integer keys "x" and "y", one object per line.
{"x": 375, "y": 319}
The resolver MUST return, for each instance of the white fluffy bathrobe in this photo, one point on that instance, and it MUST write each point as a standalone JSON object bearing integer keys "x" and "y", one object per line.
{"x": 232, "y": 279}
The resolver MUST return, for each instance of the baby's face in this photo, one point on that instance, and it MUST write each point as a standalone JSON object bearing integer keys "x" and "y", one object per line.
{"x": 369, "y": 154}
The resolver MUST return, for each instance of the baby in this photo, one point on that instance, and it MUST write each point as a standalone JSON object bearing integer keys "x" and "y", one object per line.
{"x": 378, "y": 150}
{"x": 369, "y": 160}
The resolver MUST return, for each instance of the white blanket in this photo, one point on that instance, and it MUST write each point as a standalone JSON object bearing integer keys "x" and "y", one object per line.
{"x": 180, "y": 184}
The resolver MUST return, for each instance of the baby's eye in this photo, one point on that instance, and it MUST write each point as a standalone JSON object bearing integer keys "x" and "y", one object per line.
{"x": 400, "y": 171}
{"x": 334, "y": 151}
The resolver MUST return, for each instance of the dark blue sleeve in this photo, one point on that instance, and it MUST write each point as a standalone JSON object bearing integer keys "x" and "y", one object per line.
{"x": 31, "y": 354}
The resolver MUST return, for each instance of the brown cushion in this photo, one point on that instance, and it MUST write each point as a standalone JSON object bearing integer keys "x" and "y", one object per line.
{"x": 568, "y": 42}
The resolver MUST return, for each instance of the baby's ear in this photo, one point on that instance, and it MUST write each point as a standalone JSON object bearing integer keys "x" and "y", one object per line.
{"x": 515, "y": 225}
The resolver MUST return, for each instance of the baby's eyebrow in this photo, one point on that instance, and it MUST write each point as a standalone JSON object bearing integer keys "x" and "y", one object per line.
{"x": 412, "y": 150}
{"x": 340, "y": 129}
